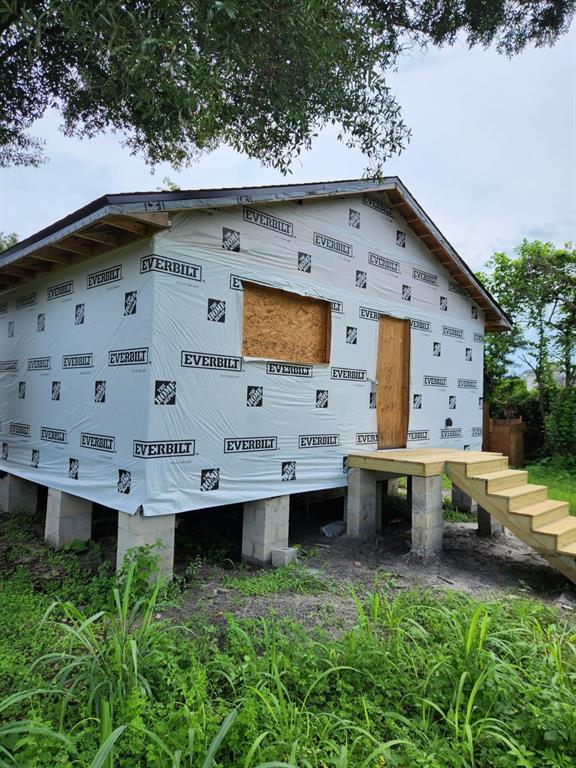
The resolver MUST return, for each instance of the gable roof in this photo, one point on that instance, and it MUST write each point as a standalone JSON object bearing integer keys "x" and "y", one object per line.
{"x": 112, "y": 221}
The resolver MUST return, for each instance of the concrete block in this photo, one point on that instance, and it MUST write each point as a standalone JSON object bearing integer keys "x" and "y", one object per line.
{"x": 18, "y": 496}
{"x": 138, "y": 531}
{"x": 265, "y": 527}
{"x": 68, "y": 518}
{"x": 463, "y": 502}
{"x": 284, "y": 556}
{"x": 427, "y": 522}
{"x": 361, "y": 503}
{"x": 488, "y": 526}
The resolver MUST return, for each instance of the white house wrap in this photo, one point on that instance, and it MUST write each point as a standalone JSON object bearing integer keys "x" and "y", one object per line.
{"x": 122, "y": 378}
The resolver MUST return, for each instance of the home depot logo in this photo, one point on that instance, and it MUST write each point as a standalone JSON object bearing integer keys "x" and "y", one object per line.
{"x": 39, "y": 363}
{"x": 104, "y": 276}
{"x": 210, "y": 361}
{"x": 348, "y": 374}
{"x": 383, "y": 262}
{"x": 135, "y": 356}
{"x": 376, "y": 204}
{"x": 400, "y": 238}
{"x": 164, "y": 392}
{"x": 304, "y": 262}
{"x": 21, "y": 390}
{"x": 321, "y": 398}
{"x": 287, "y": 369}
{"x": 354, "y": 218}
{"x": 210, "y": 479}
{"x": 216, "y": 310}
{"x": 372, "y": 400}
{"x": 424, "y": 277}
{"x": 454, "y": 333}
{"x": 35, "y": 461}
{"x": 318, "y": 441}
{"x": 162, "y": 449}
{"x": 58, "y": 291}
{"x": 56, "y": 389}
{"x": 468, "y": 356}
{"x": 254, "y": 397}
{"x": 85, "y": 360}
{"x": 26, "y": 301}
{"x": 94, "y": 442}
{"x": 41, "y": 322}
{"x": 452, "y": 403}
{"x": 406, "y": 293}
{"x": 361, "y": 279}
{"x": 417, "y": 402}
{"x": 230, "y": 239}
{"x": 467, "y": 383}
{"x": 4, "y": 451}
{"x": 100, "y": 392}
{"x": 250, "y": 444}
{"x": 474, "y": 312}
{"x": 51, "y": 435}
{"x": 418, "y": 434}
{"x": 366, "y": 438}
{"x": 450, "y": 432}
{"x": 130, "y": 302}
{"x": 435, "y": 381}
{"x": 331, "y": 244}
{"x": 443, "y": 303}
{"x": 73, "y": 469}
{"x": 124, "y": 481}
{"x": 288, "y": 471}
{"x": 268, "y": 221}
{"x": 182, "y": 269}
{"x": 436, "y": 349}
{"x": 79, "y": 314}
{"x": 351, "y": 335}
{"x": 18, "y": 429}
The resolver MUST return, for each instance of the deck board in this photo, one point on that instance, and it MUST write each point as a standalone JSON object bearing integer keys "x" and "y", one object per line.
{"x": 422, "y": 462}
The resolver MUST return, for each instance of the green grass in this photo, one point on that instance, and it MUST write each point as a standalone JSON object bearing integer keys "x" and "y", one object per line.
{"x": 294, "y": 578}
{"x": 561, "y": 482}
{"x": 423, "y": 680}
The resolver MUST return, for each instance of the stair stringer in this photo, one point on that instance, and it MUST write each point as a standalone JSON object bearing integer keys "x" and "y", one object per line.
{"x": 475, "y": 488}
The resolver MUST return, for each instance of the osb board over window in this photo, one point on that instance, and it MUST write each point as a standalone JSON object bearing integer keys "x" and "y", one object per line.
{"x": 279, "y": 325}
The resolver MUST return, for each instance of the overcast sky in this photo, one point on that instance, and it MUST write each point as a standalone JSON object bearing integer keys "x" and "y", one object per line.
{"x": 492, "y": 157}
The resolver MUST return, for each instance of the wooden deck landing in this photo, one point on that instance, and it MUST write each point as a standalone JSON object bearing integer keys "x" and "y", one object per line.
{"x": 423, "y": 462}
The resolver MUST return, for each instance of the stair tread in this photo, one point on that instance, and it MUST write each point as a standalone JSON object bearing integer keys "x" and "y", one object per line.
{"x": 567, "y": 549}
{"x": 498, "y": 474}
{"x": 563, "y": 525}
{"x": 519, "y": 490}
{"x": 533, "y": 510}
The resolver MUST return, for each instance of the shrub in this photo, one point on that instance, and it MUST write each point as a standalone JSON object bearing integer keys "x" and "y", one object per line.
{"x": 561, "y": 424}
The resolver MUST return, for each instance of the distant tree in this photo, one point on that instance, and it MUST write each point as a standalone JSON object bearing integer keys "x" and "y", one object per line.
{"x": 180, "y": 77}
{"x": 7, "y": 240}
{"x": 537, "y": 287}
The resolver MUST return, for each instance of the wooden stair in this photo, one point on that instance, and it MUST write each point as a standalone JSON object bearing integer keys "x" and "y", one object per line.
{"x": 523, "y": 508}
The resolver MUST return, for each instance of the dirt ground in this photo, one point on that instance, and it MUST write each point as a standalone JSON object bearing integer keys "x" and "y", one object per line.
{"x": 480, "y": 567}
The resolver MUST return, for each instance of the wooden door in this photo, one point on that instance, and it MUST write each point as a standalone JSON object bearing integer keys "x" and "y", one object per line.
{"x": 393, "y": 377}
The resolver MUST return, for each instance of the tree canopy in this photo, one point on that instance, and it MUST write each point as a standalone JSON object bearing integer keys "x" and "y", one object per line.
{"x": 180, "y": 77}
{"x": 537, "y": 288}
